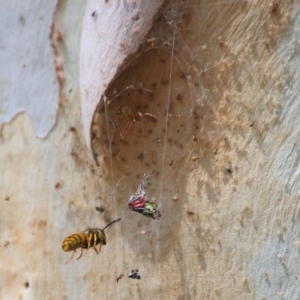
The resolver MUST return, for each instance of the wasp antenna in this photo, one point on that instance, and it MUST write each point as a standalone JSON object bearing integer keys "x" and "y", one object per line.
{"x": 111, "y": 223}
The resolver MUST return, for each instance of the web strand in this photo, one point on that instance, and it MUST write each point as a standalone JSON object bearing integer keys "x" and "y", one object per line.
{"x": 168, "y": 108}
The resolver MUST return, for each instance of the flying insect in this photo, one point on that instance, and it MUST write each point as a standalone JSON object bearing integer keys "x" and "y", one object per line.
{"x": 91, "y": 237}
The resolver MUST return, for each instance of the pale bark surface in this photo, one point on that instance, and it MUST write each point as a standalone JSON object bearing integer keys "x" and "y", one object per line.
{"x": 208, "y": 107}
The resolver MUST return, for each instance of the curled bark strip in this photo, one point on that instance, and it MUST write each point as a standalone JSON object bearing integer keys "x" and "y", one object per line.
{"x": 112, "y": 31}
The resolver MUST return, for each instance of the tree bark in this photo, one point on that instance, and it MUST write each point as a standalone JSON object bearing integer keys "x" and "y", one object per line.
{"x": 202, "y": 96}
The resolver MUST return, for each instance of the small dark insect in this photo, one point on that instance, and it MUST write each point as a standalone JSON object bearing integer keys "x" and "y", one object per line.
{"x": 120, "y": 277}
{"x": 6, "y": 244}
{"x": 85, "y": 240}
{"x": 190, "y": 212}
{"x": 93, "y": 13}
{"x": 140, "y": 204}
{"x": 228, "y": 169}
{"x": 134, "y": 274}
{"x": 100, "y": 208}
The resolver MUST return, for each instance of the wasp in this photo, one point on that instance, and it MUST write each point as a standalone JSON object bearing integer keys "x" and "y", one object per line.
{"x": 91, "y": 237}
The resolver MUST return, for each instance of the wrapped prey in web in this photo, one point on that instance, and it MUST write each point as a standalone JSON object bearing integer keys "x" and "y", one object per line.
{"x": 139, "y": 203}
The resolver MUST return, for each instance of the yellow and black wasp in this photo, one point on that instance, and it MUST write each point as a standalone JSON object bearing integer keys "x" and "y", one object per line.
{"x": 85, "y": 240}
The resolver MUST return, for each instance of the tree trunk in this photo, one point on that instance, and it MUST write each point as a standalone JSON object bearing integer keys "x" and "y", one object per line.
{"x": 195, "y": 99}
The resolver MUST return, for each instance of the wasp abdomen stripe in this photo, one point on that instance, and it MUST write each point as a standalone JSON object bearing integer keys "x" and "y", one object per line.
{"x": 74, "y": 241}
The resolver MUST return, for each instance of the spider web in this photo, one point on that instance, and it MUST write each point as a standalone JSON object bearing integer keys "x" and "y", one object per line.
{"x": 155, "y": 111}
{"x": 165, "y": 116}
{"x": 156, "y": 118}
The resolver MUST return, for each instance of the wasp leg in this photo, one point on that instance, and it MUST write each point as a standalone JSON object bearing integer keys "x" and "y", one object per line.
{"x": 100, "y": 248}
{"x": 96, "y": 250}
{"x": 80, "y": 254}
{"x": 71, "y": 256}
